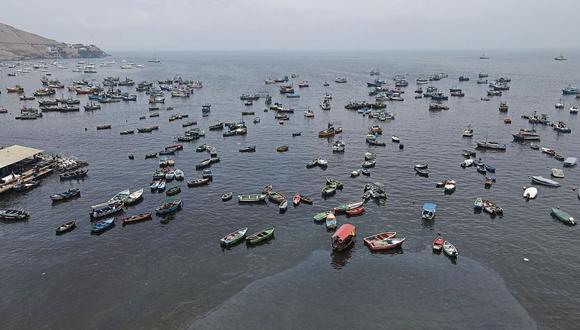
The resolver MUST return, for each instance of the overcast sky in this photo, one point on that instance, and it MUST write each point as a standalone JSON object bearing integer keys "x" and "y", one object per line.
{"x": 301, "y": 24}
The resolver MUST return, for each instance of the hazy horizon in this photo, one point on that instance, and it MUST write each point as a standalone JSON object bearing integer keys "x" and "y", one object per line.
{"x": 181, "y": 25}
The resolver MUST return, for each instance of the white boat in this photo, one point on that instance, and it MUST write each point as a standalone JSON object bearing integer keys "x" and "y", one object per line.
{"x": 450, "y": 187}
{"x": 450, "y": 249}
{"x": 574, "y": 109}
{"x": 155, "y": 184}
{"x": 134, "y": 197}
{"x": 468, "y": 131}
{"x": 467, "y": 162}
{"x": 395, "y": 139}
{"x": 161, "y": 185}
{"x": 170, "y": 175}
{"x": 283, "y": 206}
{"x": 544, "y": 181}
{"x": 570, "y": 162}
{"x": 179, "y": 175}
{"x": 557, "y": 173}
{"x": 121, "y": 196}
{"x": 322, "y": 162}
{"x": 355, "y": 173}
{"x": 530, "y": 193}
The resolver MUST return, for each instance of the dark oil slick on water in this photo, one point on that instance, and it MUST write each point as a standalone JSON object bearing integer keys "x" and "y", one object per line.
{"x": 175, "y": 275}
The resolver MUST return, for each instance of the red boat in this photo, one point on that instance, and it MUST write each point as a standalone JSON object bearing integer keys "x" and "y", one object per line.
{"x": 296, "y": 199}
{"x": 343, "y": 237}
{"x": 356, "y": 211}
{"x": 438, "y": 243}
{"x": 371, "y": 240}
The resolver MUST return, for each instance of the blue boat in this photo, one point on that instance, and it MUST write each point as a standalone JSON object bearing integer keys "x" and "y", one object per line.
{"x": 207, "y": 174}
{"x": 490, "y": 168}
{"x": 102, "y": 225}
{"x": 429, "y": 210}
{"x": 169, "y": 207}
{"x": 293, "y": 96}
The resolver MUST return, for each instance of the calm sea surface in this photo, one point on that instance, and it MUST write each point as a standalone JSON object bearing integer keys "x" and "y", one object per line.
{"x": 175, "y": 275}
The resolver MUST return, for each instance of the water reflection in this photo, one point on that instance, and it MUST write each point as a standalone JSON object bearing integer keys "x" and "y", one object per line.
{"x": 340, "y": 259}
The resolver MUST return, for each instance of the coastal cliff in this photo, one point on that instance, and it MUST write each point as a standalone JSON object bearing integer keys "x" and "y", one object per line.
{"x": 16, "y": 44}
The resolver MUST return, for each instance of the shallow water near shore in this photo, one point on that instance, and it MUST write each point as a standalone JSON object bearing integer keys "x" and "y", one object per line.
{"x": 175, "y": 274}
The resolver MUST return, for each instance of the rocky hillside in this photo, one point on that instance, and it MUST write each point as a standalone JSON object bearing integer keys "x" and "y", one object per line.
{"x": 20, "y": 45}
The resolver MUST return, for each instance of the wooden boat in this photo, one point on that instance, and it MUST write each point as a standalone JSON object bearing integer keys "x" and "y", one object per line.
{"x": 101, "y": 127}
{"x": 563, "y": 216}
{"x": 13, "y": 214}
{"x": 283, "y": 206}
{"x": 387, "y": 244}
{"x": 487, "y": 182}
{"x": 438, "y": 243}
{"x": 134, "y": 197}
{"x": 343, "y": 238}
{"x": 252, "y": 198}
{"x": 198, "y": 182}
{"x": 421, "y": 171}
{"x": 106, "y": 209}
{"x": 467, "y": 163}
{"x": 296, "y": 199}
{"x": 355, "y": 212}
{"x": 347, "y": 207}
{"x": 260, "y": 236}
{"x": 276, "y": 197}
{"x": 147, "y": 156}
{"x": 234, "y": 238}
{"x": 66, "y": 227}
{"x": 544, "y": 181}
{"x": 321, "y": 216}
{"x": 102, "y": 225}
{"x": 173, "y": 191}
{"x": 73, "y": 174}
{"x": 203, "y": 164}
{"x": 450, "y": 249}
{"x": 331, "y": 221}
{"x": 368, "y": 164}
{"x": 179, "y": 175}
{"x": 248, "y": 149}
{"x": 227, "y": 196}
{"x": 71, "y": 193}
{"x": 328, "y": 191}
{"x": 296, "y": 134}
{"x": 136, "y": 218}
{"x": 127, "y": 132}
{"x": 207, "y": 174}
{"x": 371, "y": 240}
{"x": 283, "y": 148}
{"x": 557, "y": 173}
{"x": 312, "y": 163}
{"x": 530, "y": 192}
{"x": 548, "y": 151}
{"x": 429, "y": 210}
{"x": 491, "y": 208}
{"x": 305, "y": 199}
{"x": 169, "y": 207}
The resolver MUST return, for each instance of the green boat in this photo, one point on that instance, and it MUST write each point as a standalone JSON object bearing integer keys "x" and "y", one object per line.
{"x": 563, "y": 216}
{"x": 320, "y": 216}
{"x": 201, "y": 148}
{"x": 234, "y": 238}
{"x": 276, "y": 197}
{"x": 252, "y": 198}
{"x": 260, "y": 236}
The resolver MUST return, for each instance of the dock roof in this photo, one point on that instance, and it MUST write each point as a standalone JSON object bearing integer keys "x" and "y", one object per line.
{"x": 14, "y": 154}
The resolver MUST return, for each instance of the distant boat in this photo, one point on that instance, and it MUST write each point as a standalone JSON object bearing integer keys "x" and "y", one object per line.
{"x": 560, "y": 58}
{"x": 260, "y": 236}
{"x": 544, "y": 181}
{"x": 484, "y": 57}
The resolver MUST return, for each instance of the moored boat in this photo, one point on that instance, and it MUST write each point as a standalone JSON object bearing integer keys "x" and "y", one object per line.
{"x": 234, "y": 237}
{"x": 169, "y": 207}
{"x": 260, "y": 236}
{"x": 102, "y": 225}
{"x": 371, "y": 241}
{"x": 136, "y": 218}
{"x": 198, "y": 182}
{"x": 438, "y": 243}
{"x": 13, "y": 214}
{"x": 227, "y": 196}
{"x": 65, "y": 227}
{"x": 544, "y": 181}
{"x": 530, "y": 192}
{"x": 429, "y": 210}
{"x": 343, "y": 238}
{"x": 252, "y": 198}
{"x": 563, "y": 216}
{"x": 450, "y": 249}
{"x": 71, "y": 193}
{"x": 331, "y": 223}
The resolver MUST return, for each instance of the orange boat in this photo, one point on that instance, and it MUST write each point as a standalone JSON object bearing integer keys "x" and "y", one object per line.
{"x": 343, "y": 237}
{"x": 371, "y": 240}
{"x": 296, "y": 199}
{"x": 136, "y": 218}
{"x": 438, "y": 243}
{"x": 356, "y": 211}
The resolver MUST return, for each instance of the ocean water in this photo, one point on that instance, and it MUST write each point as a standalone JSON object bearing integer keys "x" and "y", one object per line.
{"x": 174, "y": 274}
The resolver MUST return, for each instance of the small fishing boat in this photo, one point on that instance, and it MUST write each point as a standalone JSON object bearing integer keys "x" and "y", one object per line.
{"x": 73, "y": 174}
{"x": 154, "y": 185}
{"x": 386, "y": 244}
{"x": 305, "y": 199}
{"x": 331, "y": 223}
{"x": 260, "y": 236}
{"x": 234, "y": 238}
{"x": 322, "y": 162}
{"x": 227, "y": 196}
{"x": 422, "y": 171}
{"x": 557, "y": 173}
{"x": 71, "y": 193}
{"x": 328, "y": 191}
{"x": 66, "y": 227}
{"x": 370, "y": 241}
{"x": 203, "y": 164}
{"x": 492, "y": 208}
{"x": 136, "y": 218}
{"x": 450, "y": 250}
{"x": 296, "y": 199}
{"x": 548, "y": 151}
{"x": 198, "y": 182}
{"x": 252, "y": 198}
{"x": 276, "y": 197}
{"x": 478, "y": 204}
{"x": 120, "y": 197}
{"x": 134, "y": 197}
{"x": 321, "y": 216}
{"x": 489, "y": 168}
{"x": 438, "y": 243}
{"x": 544, "y": 181}
{"x": 106, "y": 209}
{"x": 530, "y": 192}
{"x": 570, "y": 162}
{"x": 312, "y": 163}
{"x": 429, "y": 210}
{"x": 179, "y": 175}
{"x": 148, "y": 156}
{"x": 355, "y": 212}
{"x": 248, "y": 149}
{"x": 563, "y": 216}
{"x": 468, "y": 131}
{"x": 343, "y": 238}
{"x": 369, "y": 163}
{"x": 13, "y": 214}
{"x": 467, "y": 163}
{"x": 449, "y": 187}
{"x": 169, "y": 207}
{"x": 283, "y": 148}
{"x": 102, "y": 225}
{"x": 395, "y": 139}
{"x": 173, "y": 191}
{"x": 365, "y": 172}
{"x": 283, "y": 206}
